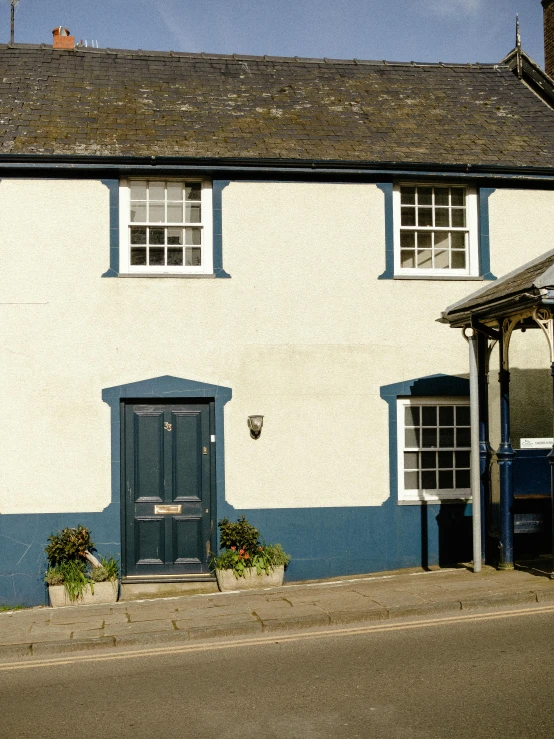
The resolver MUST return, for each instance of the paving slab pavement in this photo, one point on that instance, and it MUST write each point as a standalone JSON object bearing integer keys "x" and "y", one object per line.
{"x": 51, "y": 631}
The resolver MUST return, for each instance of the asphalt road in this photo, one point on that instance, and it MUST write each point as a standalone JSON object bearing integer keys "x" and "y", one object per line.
{"x": 454, "y": 679}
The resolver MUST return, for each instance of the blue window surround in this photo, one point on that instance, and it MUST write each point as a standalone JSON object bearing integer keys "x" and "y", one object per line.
{"x": 433, "y": 385}
{"x": 484, "y": 194}
{"x": 217, "y": 192}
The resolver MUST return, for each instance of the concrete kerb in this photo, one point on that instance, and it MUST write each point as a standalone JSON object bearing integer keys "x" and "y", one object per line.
{"x": 197, "y": 619}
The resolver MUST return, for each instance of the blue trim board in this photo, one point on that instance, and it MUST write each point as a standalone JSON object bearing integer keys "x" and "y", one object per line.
{"x": 387, "y": 189}
{"x": 484, "y": 194}
{"x": 113, "y": 188}
{"x": 217, "y": 203}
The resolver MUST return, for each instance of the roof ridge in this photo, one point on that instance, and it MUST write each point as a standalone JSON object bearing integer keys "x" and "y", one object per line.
{"x": 253, "y": 57}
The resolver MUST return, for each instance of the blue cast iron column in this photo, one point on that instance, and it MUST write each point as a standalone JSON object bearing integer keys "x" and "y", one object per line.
{"x": 505, "y": 456}
{"x": 485, "y": 451}
{"x": 551, "y": 460}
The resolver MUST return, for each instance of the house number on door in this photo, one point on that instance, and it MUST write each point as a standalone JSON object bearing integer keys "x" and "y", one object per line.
{"x": 167, "y": 426}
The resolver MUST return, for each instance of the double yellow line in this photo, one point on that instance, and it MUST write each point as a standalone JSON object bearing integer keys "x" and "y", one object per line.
{"x": 279, "y": 638}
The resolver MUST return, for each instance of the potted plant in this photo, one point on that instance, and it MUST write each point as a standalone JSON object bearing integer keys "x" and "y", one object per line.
{"x": 74, "y": 574}
{"x": 244, "y": 562}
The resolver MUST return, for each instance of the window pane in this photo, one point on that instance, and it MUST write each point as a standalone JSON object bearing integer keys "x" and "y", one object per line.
{"x": 428, "y": 460}
{"x": 462, "y": 479}
{"x": 174, "y": 190}
{"x": 193, "y": 236}
{"x": 193, "y": 257}
{"x": 174, "y": 257}
{"x": 192, "y": 191}
{"x": 411, "y": 461}
{"x": 441, "y": 195}
{"x": 138, "y": 257}
{"x": 156, "y": 212}
{"x": 156, "y": 190}
{"x": 408, "y": 217}
{"x": 429, "y": 415}
{"x": 174, "y": 236}
{"x": 441, "y": 217}
{"x": 407, "y": 240}
{"x": 138, "y": 235}
{"x": 446, "y": 415}
{"x": 407, "y": 195}
{"x": 138, "y": 212}
{"x": 446, "y": 479}
{"x": 425, "y": 259}
{"x": 411, "y": 415}
{"x": 156, "y": 235}
{"x": 458, "y": 195}
{"x": 442, "y": 240}
{"x": 156, "y": 256}
{"x": 174, "y": 213}
{"x": 411, "y": 481}
{"x": 411, "y": 437}
{"x": 429, "y": 480}
{"x": 446, "y": 460}
{"x": 138, "y": 190}
{"x": 407, "y": 259}
{"x": 425, "y": 195}
{"x": 462, "y": 459}
{"x": 424, "y": 217}
{"x": 463, "y": 416}
{"x": 458, "y": 217}
{"x": 458, "y": 259}
{"x": 429, "y": 438}
{"x": 446, "y": 437}
{"x": 458, "y": 240}
{"x": 463, "y": 437}
{"x": 424, "y": 240}
{"x": 192, "y": 213}
{"x": 441, "y": 260}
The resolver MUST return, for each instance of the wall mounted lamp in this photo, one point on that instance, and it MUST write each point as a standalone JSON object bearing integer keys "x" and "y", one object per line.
{"x": 255, "y": 424}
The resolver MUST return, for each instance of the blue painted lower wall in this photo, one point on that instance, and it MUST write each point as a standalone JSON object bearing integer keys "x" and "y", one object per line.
{"x": 323, "y": 542}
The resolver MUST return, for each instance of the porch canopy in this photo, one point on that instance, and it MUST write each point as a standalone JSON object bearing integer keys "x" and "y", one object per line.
{"x": 521, "y": 300}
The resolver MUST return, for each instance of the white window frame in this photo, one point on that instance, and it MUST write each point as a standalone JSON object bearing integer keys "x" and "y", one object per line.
{"x": 125, "y": 267}
{"x": 435, "y": 495}
{"x": 472, "y": 222}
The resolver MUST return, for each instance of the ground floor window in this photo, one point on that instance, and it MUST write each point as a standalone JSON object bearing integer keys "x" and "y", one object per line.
{"x": 434, "y": 449}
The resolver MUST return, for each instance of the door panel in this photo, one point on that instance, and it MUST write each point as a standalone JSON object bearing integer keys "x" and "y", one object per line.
{"x": 167, "y": 470}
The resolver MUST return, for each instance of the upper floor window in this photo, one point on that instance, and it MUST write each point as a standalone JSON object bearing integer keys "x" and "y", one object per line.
{"x": 436, "y": 230}
{"x": 166, "y": 226}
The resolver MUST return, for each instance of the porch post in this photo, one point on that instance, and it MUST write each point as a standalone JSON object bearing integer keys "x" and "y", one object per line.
{"x": 485, "y": 451}
{"x": 505, "y": 456}
{"x": 475, "y": 457}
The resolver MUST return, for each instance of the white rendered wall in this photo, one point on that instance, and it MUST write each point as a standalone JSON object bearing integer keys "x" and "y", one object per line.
{"x": 303, "y": 332}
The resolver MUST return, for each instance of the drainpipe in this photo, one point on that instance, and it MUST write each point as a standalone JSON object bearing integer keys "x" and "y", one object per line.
{"x": 475, "y": 457}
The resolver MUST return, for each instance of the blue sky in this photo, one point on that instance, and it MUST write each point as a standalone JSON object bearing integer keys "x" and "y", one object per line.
{"x": 398, "y": 30}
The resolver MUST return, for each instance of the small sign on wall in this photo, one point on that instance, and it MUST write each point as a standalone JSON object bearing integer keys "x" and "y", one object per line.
{"x": 543, "y": 443}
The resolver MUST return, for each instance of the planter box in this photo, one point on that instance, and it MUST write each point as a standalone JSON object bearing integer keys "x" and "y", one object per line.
{"x": 104, "y": 592}
{"x": 226, "y": 579}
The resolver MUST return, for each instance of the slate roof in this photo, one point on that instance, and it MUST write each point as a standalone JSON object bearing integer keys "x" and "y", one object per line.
{"x": 117, "y": 102}
{"x": 531, "y": 278}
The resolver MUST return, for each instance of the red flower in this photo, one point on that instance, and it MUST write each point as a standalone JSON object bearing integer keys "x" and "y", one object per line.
{"x": 246, "y": 556}
{"x": 233, "y": 549}
{"x": 241, "y": 551}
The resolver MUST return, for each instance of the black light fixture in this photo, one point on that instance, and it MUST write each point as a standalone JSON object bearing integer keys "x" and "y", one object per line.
{"x": 255, "y": 424}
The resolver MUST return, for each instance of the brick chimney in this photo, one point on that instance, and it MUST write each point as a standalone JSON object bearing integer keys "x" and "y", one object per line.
{"x": 62, "y": 39}
{"x": 548, "y": 14}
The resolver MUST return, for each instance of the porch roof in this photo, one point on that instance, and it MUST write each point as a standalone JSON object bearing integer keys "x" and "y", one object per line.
{"x": 532, "y": 284}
